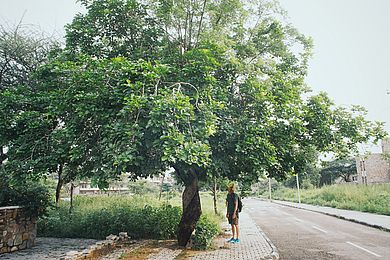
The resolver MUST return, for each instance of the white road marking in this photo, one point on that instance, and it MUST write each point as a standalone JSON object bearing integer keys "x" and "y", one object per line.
{"x": 299, "y": 220}
{"x": 315, "y": 227}
{"x": 362, "y": 248}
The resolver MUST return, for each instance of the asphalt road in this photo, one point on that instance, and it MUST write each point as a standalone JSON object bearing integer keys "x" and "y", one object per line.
{"x": 301, "y": 234}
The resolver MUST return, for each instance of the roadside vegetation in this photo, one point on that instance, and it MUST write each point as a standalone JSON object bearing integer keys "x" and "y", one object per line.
{"x": 194, "y": 86}
{"x": 370, "y": 198}
{"x": 141, "y": 216}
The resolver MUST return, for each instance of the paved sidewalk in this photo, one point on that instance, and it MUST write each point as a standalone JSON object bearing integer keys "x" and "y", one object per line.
{"x": 254, "y": 244}
{"x": 369, "y": 219}
{"x": 49, "y": 248}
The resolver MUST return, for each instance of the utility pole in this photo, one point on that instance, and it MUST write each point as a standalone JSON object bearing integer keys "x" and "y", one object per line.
{"x": 299, "y": 194}
{"x": 269, "y": 189}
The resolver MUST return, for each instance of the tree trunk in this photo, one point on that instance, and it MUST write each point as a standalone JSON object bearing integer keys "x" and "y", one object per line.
{"x": 161, "y": 186}
{"x": 191, "y": 208}
{"x": 3, "y": 156}
{"x": 215, "y": 195}
{"x": 59, "y": 184}
{"x": 71, "y": 197}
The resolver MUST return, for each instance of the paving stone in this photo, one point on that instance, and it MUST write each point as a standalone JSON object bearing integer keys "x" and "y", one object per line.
{"x": 253, "y": 244}
{"x": 165, "y": 254}
{"x": 49, "y": 249}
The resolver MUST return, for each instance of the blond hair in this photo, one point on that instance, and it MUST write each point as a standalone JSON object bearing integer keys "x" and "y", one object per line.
{"x": 231, "y": 186}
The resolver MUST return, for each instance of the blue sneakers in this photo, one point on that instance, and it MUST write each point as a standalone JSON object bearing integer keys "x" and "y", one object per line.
{"x": 234, "y": 240}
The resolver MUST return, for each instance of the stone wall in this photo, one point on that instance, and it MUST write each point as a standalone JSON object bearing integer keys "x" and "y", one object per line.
{"x": 16, "y": 230}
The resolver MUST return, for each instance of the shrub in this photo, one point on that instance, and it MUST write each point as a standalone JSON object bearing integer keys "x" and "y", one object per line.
{"x": 156, "y": 222}
{"x": 33, "y": 196}
{"x": 205, "y": 231}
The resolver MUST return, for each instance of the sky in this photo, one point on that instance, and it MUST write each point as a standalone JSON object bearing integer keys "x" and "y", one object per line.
{"x": 351, "y": 60}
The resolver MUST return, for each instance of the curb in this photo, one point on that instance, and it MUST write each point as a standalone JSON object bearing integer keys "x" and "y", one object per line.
{"x": 274, "y": 254}
{"x": 332, "y": 215}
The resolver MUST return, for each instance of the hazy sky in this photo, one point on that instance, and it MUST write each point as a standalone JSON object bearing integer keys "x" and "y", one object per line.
{"x": 351, "y": 59}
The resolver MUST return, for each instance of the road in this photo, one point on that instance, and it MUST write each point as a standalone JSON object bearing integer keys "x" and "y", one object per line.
{"x": 301, "y": 234}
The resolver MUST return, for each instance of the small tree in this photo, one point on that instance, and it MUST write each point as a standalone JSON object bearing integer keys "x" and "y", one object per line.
{"x": 343, "y": 169}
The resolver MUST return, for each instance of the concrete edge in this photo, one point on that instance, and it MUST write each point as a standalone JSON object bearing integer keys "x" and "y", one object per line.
{"x": 274, "y": 254}
{"x": 333, "y": 215}
{"x": 10, "y": 207}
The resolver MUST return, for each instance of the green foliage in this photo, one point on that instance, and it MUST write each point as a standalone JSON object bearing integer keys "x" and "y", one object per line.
{"x": 205, "y": 231}
{"x": 338, "y": 169}
{"x": 23, "y": 49}
{"x": 156, "y": 222}
{"x": 386, "y": 156}
{"x": 114, "y": 28}
{"x": 200, "y": 86}
{"x": 371, "y": 198}
{"x": 33, "y": 196}
{"x": 142, "y": 187}
{"x": 228, "y": 98}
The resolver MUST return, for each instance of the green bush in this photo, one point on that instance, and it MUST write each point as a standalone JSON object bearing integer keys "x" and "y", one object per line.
{"x": 156, "y": 222}
{"x": 205, "y": 231}
{"x": 33, "y": 196}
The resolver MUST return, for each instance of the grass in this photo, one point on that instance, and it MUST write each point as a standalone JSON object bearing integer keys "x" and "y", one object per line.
{"x": 141, "y": 216}
{"x": 371, "y": 198}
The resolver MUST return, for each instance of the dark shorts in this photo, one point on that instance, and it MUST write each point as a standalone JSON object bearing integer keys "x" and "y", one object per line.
{"x": 233, "y": 221}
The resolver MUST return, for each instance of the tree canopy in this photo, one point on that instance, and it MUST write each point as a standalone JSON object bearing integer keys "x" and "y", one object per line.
{"x": 205, "y": 87}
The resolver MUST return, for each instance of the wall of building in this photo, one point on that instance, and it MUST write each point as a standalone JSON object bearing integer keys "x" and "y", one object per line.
{"x": 386, "y": 145}
{"x": 17, "y": 231}
{"x": 376, "y": 168}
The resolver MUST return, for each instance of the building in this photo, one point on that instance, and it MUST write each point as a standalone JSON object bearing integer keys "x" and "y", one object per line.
{"x": 85, "y": 188}
{"x": 374, "y": 168}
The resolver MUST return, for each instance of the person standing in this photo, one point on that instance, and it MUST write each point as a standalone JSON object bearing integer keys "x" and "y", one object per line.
{"x": 232, "y": 213}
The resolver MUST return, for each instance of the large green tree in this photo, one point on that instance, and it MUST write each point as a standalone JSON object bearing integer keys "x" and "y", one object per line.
{"x": 231, "y": 100}
{"x": 221, "y": 91}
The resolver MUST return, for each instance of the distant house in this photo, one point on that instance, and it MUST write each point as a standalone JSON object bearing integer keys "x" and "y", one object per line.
{"x": 85, "y": 188}
{"x": 374, "y": 168}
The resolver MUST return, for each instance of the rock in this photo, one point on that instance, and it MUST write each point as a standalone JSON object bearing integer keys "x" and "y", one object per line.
{"x": 10, "y": 242}
{"x": 15, "y": 248}
{"x": 25, "y": 236}
{"x": 123, "y": 235}
{"x": 72, "y": 253}
{"x": 18, "y": 240}
{"x": 23, "y": 245}
{"x": 112, "y": 237}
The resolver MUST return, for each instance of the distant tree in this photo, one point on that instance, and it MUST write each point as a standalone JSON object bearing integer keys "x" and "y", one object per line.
{"x": 343, "y": 169}
{"x": 214, "y": 184}
{"x": 142, "y": 187}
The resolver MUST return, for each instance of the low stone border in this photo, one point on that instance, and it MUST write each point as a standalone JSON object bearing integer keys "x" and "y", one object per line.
{"x": 17, "y": 230}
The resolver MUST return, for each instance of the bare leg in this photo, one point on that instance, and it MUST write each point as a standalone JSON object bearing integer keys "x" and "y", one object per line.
{"x": 237, "y": 231}
{"x": 233, "y": 230}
